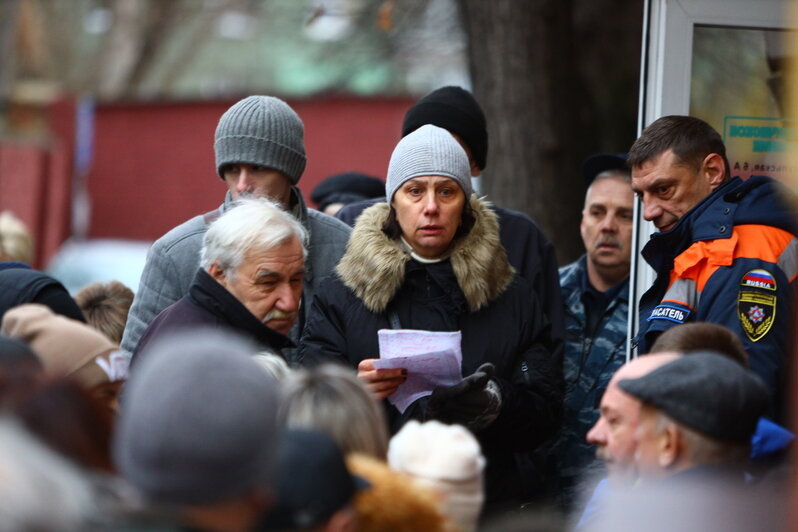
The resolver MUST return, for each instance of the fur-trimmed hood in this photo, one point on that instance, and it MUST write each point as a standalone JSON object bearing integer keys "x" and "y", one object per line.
{"x": 373, "y": 266}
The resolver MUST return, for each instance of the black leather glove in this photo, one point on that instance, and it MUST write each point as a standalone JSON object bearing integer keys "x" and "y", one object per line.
{"x": 471, "y": 402}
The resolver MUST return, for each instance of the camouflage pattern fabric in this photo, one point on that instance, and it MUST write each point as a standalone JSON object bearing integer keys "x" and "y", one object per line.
{"x": 588, "y": 365}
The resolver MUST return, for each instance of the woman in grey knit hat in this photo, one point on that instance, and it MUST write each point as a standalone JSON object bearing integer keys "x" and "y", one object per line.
{"x": 431, "y": 259}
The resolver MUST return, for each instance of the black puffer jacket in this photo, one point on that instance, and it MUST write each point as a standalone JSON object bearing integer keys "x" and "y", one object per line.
{"x": 474, "y": 291}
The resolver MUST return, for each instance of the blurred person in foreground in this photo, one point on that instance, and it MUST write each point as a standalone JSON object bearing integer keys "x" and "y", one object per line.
{"x": 614, "y": 433}
{"x": 313, "y": 487}
{"x": 69, "y": 420}
{"x": 106, "y": 306}
{"x": 250, "y": 279}
{"x": 330, "y": 398}
{"x": 725, "y": 251}
{"x": 431, "y": 259}
{"x": 198, "y": 431}
{"x": 69, "y": 348}
{"x": 394, "y": 501}
{"x": 620, "y": 412}
{"x": 20, "y": 367}
{"x": 697, "y": 418}
{"x": 771, "y": 442}
{"x": 447, "y": 460}
{"x": 698, "y": 415}
{"x": 595, "y": 291}
{"x": 260, "y": 153}
{"x": 40, "y": 490}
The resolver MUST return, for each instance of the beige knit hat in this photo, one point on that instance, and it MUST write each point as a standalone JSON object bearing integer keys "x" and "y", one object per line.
{"x": 66, "y": 347}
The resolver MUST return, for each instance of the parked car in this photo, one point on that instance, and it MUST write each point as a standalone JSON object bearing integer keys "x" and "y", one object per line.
{"x": 80, "y": 262}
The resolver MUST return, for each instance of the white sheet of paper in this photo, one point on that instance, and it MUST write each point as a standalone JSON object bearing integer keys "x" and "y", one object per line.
{"x": 430, "y": 358}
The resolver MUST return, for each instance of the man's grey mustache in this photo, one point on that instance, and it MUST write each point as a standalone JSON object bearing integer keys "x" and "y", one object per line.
{"x": 277, "y": 314}
{"x": 609, "y": 240}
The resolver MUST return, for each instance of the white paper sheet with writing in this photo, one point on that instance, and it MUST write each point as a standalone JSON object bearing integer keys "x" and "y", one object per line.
{"x": 430, "y": 358}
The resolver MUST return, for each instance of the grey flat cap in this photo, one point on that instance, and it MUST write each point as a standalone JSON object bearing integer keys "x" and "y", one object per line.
{"x": 706, "y": 392}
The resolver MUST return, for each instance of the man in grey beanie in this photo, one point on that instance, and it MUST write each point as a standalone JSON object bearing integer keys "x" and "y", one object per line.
{"x": 260, "y": 152}
{"x": 198, "y": 430}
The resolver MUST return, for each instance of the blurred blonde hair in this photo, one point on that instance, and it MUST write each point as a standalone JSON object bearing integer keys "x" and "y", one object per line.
{"x": 16, "y": 242}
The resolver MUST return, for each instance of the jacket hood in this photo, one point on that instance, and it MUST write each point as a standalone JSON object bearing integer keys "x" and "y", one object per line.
{"x": 373, "y": 266}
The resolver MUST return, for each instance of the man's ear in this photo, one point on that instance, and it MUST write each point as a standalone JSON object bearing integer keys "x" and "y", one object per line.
{"x": 217, "y": 272}
{"x": 669, "y": 446}
{"x": 714, "y": 170}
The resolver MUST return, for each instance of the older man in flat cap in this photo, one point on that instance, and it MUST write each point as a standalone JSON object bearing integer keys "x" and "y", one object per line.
{"x": 698, "y": 415}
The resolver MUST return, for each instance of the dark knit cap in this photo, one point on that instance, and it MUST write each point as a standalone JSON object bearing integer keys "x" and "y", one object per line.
{"x": 23, "y": 285}
{"x": 707, "y": 392}
{"x": 455, "y": 110}
{"x": 347, "y": 187}
{"x": 312, "y": 481}
{"x": 602, "y": 162}
{"x": 261, "y": 130}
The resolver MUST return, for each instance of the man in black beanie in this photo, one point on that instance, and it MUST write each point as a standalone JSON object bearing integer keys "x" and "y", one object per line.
{"x": 528, "y": 249}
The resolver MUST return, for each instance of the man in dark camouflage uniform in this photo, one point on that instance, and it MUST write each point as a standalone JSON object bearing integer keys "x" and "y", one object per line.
{"x": 595, "y": 294}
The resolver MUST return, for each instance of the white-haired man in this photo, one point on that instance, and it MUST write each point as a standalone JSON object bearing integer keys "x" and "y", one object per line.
{"x": 250, "y": 279}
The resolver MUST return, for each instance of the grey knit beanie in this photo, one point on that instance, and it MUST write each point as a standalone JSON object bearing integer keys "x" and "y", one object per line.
{"x": 261, "y": 130}
{"x": 198, "y": 423}
{"x": 429, "y": 150}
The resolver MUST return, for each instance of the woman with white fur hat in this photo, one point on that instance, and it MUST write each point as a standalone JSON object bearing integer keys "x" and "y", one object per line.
{"x": 447, "y": 460}
{"x": 431, "y": 259}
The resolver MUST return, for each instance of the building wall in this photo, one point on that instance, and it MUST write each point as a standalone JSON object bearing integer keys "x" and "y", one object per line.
{"x": 153, "y": 165}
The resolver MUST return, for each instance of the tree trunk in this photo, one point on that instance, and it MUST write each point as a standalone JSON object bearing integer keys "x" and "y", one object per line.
{"x": 542, "y": 115}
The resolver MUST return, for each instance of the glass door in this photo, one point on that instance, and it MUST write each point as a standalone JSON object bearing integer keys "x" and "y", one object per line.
{"x": 722, "y": 61}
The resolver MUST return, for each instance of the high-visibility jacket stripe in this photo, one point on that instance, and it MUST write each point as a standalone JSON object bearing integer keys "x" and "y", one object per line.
{"x": 701, "y": 260}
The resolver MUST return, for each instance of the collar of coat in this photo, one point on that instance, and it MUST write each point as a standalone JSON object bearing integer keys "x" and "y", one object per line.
{"x": 211, "y": 295}
{"x": 373, "y": 266}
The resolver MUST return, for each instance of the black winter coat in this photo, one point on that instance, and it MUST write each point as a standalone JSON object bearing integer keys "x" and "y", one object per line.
{"x": 474, "y": 291}
{"x": 209, "y": 305}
